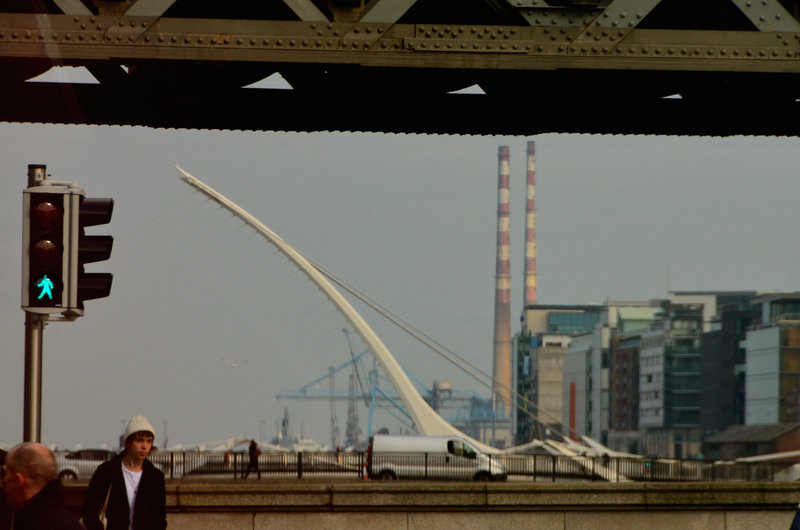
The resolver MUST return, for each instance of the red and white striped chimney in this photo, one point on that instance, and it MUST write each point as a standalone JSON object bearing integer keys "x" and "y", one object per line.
{"x": 530, "y": 230}
{"x": 502, "y": 307}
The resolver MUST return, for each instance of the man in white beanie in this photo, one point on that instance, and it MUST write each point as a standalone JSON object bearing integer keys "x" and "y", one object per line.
{"x": 133, "y": 486}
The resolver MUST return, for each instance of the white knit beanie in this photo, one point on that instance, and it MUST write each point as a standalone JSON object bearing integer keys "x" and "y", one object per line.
{"x": 138, "y": 424}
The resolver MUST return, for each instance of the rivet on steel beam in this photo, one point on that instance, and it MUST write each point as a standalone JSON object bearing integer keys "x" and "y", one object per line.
{"x": 789, "y": 54}
{"x": 305, "y": 43}
{"x": 121, "y": 23}
{"x": 83, "y": 26}
{"x": 356, "y": 30}
{"x": 146, "y": 38}
{"x": 671, "y": 51}
{"x": 239, "y": 41}
{"x": 540, "y": 48}
{"x": 265, "y": 42}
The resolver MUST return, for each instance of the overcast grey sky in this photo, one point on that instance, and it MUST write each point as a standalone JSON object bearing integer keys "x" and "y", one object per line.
{"x": 408, "y": 219}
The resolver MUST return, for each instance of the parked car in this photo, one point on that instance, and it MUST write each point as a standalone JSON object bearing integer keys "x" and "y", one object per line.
{"x": 429, "y": 457}
{"x": 80, "y": 465}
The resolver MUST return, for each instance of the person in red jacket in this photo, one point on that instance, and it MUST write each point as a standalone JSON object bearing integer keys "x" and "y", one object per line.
{"x": 133, "y": 485}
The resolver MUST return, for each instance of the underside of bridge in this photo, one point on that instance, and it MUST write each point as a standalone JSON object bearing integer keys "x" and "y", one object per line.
{"x": 711, "y": 67}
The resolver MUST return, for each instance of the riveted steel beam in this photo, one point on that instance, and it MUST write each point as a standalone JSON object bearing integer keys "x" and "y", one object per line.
{"x": 306, "y": 10}
{"x": 386, "y": 11}
{"x": 613, "y": 24}
{"x": 78, "y": 40}
{"x": 768, "y": 15}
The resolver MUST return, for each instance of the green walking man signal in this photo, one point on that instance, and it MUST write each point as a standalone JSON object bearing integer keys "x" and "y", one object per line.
{"x": 47, "y": 288}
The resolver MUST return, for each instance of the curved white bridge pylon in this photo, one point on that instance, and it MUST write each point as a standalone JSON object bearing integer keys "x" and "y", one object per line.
{"x": 426, "y": 420}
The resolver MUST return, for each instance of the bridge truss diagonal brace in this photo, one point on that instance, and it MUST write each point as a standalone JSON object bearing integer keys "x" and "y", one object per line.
{"x": 768, "y": 15}
{"x": 615, "y": 22}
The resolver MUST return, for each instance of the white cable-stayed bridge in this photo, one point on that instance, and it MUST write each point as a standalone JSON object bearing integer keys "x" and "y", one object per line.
{"x": 425, "y": 419}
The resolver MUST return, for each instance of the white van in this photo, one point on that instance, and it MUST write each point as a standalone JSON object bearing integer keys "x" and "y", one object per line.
{"x": 429, "y": 457}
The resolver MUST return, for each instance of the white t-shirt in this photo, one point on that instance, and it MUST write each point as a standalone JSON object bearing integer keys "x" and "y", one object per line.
{"x": 132, "y": 479}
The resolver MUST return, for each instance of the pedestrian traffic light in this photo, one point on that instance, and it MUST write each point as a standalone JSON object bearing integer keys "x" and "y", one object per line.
{"x": 88, "y": 249}
{"x": 45, "y": 249}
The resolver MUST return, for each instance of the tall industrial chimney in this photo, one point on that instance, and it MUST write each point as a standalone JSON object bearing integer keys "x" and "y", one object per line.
{"x": 502, "y": 307}
{"x": 530, "y": 230}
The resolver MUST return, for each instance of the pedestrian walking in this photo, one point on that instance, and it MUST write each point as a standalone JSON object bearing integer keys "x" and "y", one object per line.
{"x": 130, "y": 484}
{"x": 254, "y": 452}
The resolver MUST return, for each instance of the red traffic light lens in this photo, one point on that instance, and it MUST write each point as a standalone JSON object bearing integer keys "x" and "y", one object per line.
{"x": 47, "y": 255}
{"x": 46, "y": 216}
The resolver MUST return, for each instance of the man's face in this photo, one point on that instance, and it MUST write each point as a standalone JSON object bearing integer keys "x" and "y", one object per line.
{"x": 13, "y": 481}
{"x": 140, "y": 445}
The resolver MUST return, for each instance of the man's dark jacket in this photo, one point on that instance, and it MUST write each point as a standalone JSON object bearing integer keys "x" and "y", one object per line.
{"x": 46, "y": 511}
{"x": 149, "y": 512}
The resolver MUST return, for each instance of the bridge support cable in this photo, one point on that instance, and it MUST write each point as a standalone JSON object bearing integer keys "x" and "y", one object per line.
{"x": 426, "y": 420}
{"x": 446, "y": 353}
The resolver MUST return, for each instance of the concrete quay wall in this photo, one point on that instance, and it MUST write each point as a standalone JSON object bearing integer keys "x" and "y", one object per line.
{"x": 268, "y": 505}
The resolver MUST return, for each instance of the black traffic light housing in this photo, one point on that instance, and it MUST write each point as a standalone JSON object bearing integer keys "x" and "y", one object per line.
{"x": 55, "y": 247}
{"x": 45, "y": 256}
{"x": 91, "y": 249}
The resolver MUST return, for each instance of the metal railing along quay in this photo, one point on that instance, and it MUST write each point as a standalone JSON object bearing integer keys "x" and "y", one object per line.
{"x": 353, "y": 465}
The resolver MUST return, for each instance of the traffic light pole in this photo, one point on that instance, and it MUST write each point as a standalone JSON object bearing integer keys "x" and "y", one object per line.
{"x": 32, "y": 420}
{"x": 34, "y": 333}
